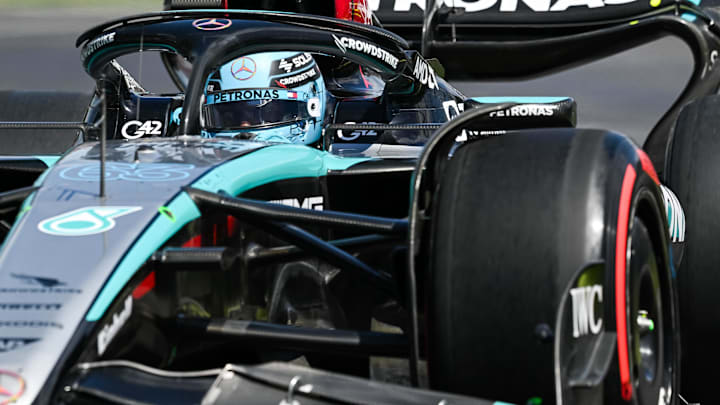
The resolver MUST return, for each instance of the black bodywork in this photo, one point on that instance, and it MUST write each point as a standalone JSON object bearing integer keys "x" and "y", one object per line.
{"x": 184, "y": 318}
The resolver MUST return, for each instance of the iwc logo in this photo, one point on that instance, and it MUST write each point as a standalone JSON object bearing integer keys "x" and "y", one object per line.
{"x": 85, "y": 221}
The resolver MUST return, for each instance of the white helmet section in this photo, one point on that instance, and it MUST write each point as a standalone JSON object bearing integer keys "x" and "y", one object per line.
{"x": 273, "y": 96}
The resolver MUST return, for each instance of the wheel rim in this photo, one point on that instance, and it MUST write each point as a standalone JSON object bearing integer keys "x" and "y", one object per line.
{"x": 649, "y": 330}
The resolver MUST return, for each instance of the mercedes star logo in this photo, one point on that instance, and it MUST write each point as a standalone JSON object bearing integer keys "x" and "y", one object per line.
{"x": 12, "y": 386}
{"x": 243, "y": 68}
{"x": 212, "y": 24}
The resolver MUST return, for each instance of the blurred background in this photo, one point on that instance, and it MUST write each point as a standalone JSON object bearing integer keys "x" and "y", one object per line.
{"x": 626, "y": 93}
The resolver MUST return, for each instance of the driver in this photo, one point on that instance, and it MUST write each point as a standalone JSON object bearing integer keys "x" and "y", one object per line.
{"x": 271, "y": 97}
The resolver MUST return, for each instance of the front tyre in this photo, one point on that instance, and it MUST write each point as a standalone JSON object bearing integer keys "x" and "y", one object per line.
{"x": 548, "y": 261}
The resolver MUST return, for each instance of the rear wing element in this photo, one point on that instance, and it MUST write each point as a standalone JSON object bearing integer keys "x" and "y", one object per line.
{"x": 411, "y": 12}
{"x": 512, "y": 39}
{"x": 523, "y": 38}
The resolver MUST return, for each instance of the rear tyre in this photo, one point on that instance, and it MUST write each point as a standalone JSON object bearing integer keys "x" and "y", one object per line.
{"x": 522, "y": 286}
{"x": 692, "y": 170}
{"x": 42, "y": 107}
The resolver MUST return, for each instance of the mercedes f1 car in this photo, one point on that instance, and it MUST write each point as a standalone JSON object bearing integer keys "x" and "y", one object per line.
{"x": 175, "y": 248}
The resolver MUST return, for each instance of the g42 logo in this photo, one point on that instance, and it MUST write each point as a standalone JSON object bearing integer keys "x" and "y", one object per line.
{"x": 356, "y": 133}
{"x": 84, "y": 221}
{"x": 143, "y": 128}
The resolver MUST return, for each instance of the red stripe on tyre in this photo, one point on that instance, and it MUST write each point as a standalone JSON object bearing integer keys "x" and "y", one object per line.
{"x": 648, "y": 166}
{"x": 620, "y": 280}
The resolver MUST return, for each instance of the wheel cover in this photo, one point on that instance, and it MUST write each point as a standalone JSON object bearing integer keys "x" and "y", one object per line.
{"x": 649, "y": 330}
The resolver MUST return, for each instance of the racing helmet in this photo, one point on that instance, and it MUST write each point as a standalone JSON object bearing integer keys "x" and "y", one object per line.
{"x": 272, "y": 97}
{"x": 353, "y": 10}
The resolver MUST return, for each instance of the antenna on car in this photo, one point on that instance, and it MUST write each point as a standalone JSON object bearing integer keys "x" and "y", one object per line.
{"x": 140, "y": 69}
{"x": 103, "y": 137}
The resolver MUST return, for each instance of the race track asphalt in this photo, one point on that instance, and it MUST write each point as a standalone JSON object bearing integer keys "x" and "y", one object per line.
{"x": 625, "y": 93}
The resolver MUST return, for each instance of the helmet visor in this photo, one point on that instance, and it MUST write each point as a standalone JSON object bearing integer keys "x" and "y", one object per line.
{"x": 253, "y": 113}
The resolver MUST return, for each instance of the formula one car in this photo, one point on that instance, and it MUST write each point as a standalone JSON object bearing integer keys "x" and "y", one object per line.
{"x": 316, "y": 202}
